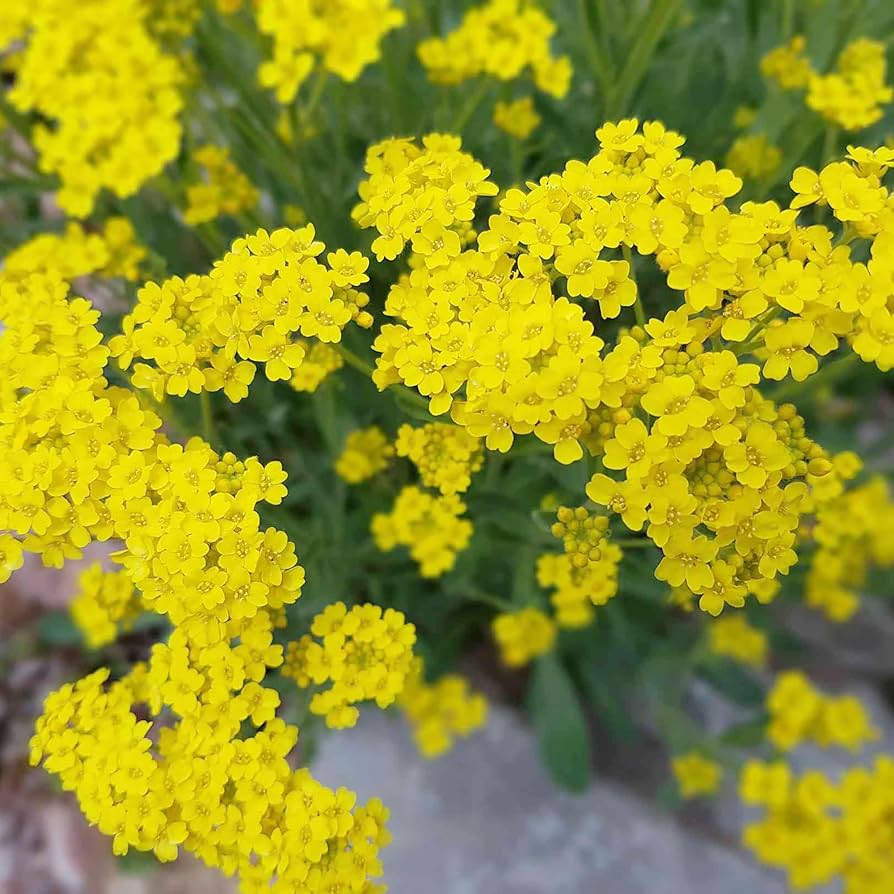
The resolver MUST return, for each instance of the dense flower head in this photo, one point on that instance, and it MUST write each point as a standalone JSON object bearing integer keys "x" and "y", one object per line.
{"x": 221, "y": 188}
{"x": 337, "y": 36}
{"x": 235, "y": 802}
{"x": 753, "y": 157}
{"x": 363, "y": 653}
{"x": 430, "y": 526}
{"x": 441, "y": 711}
{"x": 696, "y": 774}
{"x": 446, "y": 456}
{"x": 523, "y": 635}
{"x": 788, "y": 64}
{"x": 799, "y": 713}
{"x": 366, "y": 452}
{"x": 172, "y": 20}
{"x": 112, "y": 251}
{"x": 583, "y": 534}
{"x": 851, "y": 533}
{"x": 852, "y": 95}
{"x": 733, "y": 637}
{"x": 518, "y": 118}
{"x": 110, "y": 92}
{"x": 207, "y": 333}
{"x": 820, "y": 829}
{"x": 503, "y": 39}
{"x": 579, "y": 590}
{"x": 104, "y": 603}
{"x": 421, "y": 195}
{"x": 67, "y": 436}
{"x": 320, "y": 361}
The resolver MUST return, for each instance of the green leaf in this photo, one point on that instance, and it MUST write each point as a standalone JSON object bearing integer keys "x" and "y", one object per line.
{"x": 733, "y": 682}
{"x": 746, "y": 735}
{"x": 559, "y": 724}
{"x": 57, "y": 629}
{"x": 753, "y": 15}
{"x": 136, "y": 862}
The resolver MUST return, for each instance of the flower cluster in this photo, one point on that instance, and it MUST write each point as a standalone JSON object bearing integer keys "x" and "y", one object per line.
{"x": 719, "y": 476}
{"x": 172, "y": 20}
{"x": 585, "y": 574}
{"x": 502, "y": 39}
{"x": 338, "y": 36}
{"x": 86, "y": 462}
{"x": 851, "y": 532}
{"x": 523, "y": 635}
{"x": 367, "y": 451}
{"x": 425, "y": 196}
{"x": 696, "y": 774}
{"x": 583, "y": 535}
{"x": 320, "y": 361}
{"x": 430, "y": 526}
{"x": 69, "y": 439}
{"x": 206, "y": 333}
{"x": 362, "y": 652}
{"x": 788, "y": 64}
{"x": 518, "y": 118}
{"x": 819, "y": 830}
{"x": 733, "y": 637}
{"x": 114, "y": 251}
{"x": 105, "y": 602}
{"x": 222, "y": 189}
{"x": 851, "y": 96}
{"x": 95, "y": 71}
{"x": 753, "y": 157}
{"x": 236, "y": 803}
{"x": 800, "y": 713}
{"x": 445, "y": 456}
{"x": 441, "y": 711}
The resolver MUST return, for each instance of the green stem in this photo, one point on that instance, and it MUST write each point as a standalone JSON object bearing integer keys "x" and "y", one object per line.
{"x": 788, "y": 18}
{"x": 502, "y": 605}
{"x": 515, "y": 156}
{"x": 316, "y": 94}
{"x": 368, "y": 369}
{"x": 749, "y": 342}
{"x": 632, "y": 542}
{"x": 806, "y": 129}
{"x": 209, "y": 432}
{"x": 353, "y": 359}
{"x": 658, "y": 18}
{"x": 466, "y": 111}
{"x": 598, "y": 61}
{"x": 830, "y": 143}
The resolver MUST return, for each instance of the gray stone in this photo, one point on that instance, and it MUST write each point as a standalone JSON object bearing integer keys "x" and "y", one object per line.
{"x": 485, "y": 819}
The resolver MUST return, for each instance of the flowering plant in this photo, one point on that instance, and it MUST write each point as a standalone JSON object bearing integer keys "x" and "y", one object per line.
{"x": 496, "y": 384}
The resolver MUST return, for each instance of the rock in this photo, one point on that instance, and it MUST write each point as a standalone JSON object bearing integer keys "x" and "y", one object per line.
{"x": 486, "y": 818}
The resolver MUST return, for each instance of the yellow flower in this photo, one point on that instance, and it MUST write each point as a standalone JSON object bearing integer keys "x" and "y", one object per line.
{"x": 696, "y": 775}
{"x": 366, "y": 453}
{"x": 518, "y": 118}
{"x": 760, "y": 454}
{"x": 523, "y": 635}
{"x": 440, "y": 711}
{"x": 735, "y": 638}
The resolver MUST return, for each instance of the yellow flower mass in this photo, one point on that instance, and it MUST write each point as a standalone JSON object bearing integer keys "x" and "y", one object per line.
{"x": 603, "y": 395}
